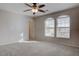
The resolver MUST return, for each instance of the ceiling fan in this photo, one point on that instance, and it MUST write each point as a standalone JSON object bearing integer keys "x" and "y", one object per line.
{"x": 35, "y": 8}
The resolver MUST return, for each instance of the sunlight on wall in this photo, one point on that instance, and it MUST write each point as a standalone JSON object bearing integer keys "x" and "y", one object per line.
{"x": 22, "y": 37}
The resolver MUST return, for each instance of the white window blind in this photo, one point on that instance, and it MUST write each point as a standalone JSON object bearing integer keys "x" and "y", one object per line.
{"x": 49, "y": 27}
{"x": 63, "y": 27}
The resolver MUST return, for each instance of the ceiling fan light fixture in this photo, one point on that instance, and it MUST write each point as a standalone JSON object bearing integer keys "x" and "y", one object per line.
{"x": 35, "y": 10}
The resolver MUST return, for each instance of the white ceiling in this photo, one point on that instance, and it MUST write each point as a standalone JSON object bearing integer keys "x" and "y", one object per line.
{"x": 51, "y": 7}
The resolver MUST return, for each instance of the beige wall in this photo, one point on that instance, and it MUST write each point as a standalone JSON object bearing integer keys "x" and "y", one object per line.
{"x": 32, "y": 29}
{"x": 74, "y": 40}
{"x": 11, "y": 25}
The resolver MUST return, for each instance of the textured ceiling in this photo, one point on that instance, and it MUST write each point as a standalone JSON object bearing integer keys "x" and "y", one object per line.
{"x": 51, "y": 7}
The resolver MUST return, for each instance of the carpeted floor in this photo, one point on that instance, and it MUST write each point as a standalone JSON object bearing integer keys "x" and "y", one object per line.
{"x": 34, "y": 48}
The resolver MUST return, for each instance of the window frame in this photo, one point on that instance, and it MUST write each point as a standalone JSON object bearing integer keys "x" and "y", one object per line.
{"x": 64, "y": 27}
{"x": 50, "y": 27}
{"x": 55, "y": 27}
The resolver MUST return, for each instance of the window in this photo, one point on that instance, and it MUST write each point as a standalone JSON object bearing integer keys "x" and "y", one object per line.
{"x": 59, "y": 28}
{"x": 63, "y": 26}
{"x": 49, "y": 27}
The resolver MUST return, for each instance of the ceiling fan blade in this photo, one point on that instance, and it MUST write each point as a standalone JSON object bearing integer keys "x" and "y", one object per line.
{"x": 28, "y": 5}
{"x": 41, "y": 10}
{"x": 27, "y": 10}
{"x": 40, "y": 6}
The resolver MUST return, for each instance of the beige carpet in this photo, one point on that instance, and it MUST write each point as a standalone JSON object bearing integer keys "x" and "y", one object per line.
{"x": 34, "y": 48}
